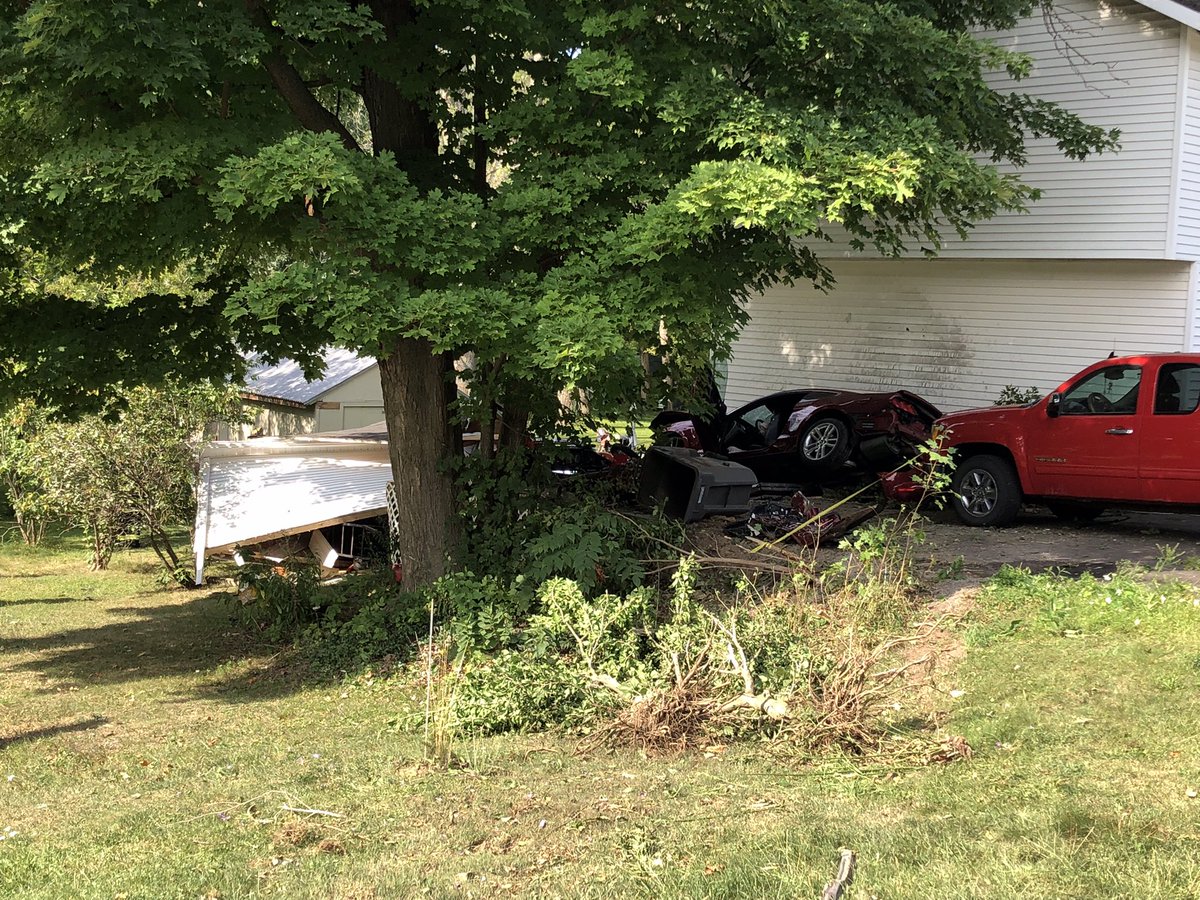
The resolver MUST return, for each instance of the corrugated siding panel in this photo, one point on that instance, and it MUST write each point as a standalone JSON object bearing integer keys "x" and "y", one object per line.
{"x": 1116, "y": 64}
{"x": 1187, "y": 233}
{"x": 247, "y": 498}
{"x": 957, "y": 332}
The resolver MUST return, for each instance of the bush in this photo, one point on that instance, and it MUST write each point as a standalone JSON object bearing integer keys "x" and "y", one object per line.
{"x": 513, "y": 691}
{"x": 278, "y": 600}
{"x": 132, "y": 469}
{"x": 1011, "y": 395}
{"x": 520, "y": 521}
{"x": 364, "y": 618}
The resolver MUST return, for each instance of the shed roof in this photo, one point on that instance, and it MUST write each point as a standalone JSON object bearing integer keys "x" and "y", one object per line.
{"x": 285, "y": 380}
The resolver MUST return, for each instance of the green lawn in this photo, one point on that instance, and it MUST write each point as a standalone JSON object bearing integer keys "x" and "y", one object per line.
{"x": 151, "y": 748}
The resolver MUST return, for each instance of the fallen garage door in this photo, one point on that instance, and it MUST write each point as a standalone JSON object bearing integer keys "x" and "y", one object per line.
{"x": 268, "y": 488}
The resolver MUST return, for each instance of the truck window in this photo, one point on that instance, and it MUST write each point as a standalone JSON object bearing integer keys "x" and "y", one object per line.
{"x": 1178, "y": 389}
{"x": 1111, "y": 391}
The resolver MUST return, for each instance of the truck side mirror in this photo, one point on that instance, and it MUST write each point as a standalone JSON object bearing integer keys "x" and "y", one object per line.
{"x": 1052, "y": 407}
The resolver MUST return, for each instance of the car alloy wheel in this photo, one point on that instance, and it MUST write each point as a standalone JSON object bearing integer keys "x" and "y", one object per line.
{"x": 822, "y": 440}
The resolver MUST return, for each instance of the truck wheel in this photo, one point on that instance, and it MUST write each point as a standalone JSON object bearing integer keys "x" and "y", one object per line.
{"x": 986, "y": 491}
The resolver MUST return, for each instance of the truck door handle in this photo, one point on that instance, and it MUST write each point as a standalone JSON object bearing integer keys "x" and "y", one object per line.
{"x": 1119, "y": 431}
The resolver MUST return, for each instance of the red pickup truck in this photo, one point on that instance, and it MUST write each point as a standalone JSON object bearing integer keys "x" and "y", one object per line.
{"x": 1123, "y": 432}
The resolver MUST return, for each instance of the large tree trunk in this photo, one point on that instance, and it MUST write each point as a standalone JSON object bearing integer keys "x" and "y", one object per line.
{"x": 418, "y": 422}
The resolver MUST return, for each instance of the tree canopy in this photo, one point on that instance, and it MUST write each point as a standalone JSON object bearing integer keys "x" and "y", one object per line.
{"x": 551, "y": 186}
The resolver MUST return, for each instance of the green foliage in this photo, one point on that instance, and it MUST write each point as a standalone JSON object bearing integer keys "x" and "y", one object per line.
{"x": 520, "y": 522}
{"x": 605, "y": 634}
{"x": 364, "y": 618}
{"x": 1011, "y": 395}
{"x": 21, "y": 427}
{"x": 933, "y": 469}
{"x": 513, "y": 692}
{"x": 132, "y": 470}
{"x": 278, "y": 600}
{"x": 483, "y": 612}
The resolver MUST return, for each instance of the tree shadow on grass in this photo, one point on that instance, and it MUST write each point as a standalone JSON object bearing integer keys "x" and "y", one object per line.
{"x": 171, "y": 639}
{"x": 26, "y": 601}
{"x": 197, "y": 640}
{"x": 34, "y": 734}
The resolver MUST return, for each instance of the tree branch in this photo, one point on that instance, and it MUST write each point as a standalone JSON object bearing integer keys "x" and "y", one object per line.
{"x": 291, "y": 86}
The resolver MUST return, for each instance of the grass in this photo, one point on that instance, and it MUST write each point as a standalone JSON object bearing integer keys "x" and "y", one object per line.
{"x": 151, "y": 748}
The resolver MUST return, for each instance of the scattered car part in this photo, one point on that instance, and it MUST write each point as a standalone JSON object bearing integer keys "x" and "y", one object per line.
{"x": 690, "y": 486}
{"x": 800, "y": 521}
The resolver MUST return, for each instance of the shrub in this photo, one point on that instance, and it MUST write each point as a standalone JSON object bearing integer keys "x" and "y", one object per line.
{"x": 21, "y": 480}
{"x": 520, "y": 521}
{"x": 1011, "y": 395}
{"x": 278, "y": 600}
{"x": 132, "y": 469}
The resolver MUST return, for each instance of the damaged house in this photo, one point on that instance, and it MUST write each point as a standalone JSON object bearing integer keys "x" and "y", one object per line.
{"x": 1106, "y": 260}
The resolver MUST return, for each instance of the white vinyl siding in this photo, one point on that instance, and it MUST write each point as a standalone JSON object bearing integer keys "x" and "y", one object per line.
{"x": 1117, "y": 65}
{"x": 1187, "y": 233}
{"x": 957, "y": 332}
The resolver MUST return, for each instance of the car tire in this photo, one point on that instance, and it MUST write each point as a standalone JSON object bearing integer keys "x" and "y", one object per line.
{"x": 824, "y": 443}
{"x": 1074, "y": 510}
{"x": 985, "y": 491}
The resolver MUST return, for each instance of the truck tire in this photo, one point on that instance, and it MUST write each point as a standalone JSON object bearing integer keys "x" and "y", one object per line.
{"x": 985, "y": 491}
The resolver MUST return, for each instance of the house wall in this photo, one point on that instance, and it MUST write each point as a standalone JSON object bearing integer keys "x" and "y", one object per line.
{"x": 268, "y": 419}
{"x": 958, "y": 331}
{"x": 1187, "y": 220}
{"x": 359, "y": 402}
{"x": 1116, "y": 64}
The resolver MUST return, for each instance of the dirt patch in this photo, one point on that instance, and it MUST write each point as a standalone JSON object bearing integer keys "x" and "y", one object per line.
{"x": 1040, "y": 542}
{"x": 955, "y": 556}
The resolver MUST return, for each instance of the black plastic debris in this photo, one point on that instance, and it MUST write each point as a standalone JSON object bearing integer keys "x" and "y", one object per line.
{"x": 690, "y": 486}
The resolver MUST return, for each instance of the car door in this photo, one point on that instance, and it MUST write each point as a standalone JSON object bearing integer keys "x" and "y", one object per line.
{"x": 757, "y": 438}
{"x": 1170, "y": 437}
{"x": 1090, "y": 449}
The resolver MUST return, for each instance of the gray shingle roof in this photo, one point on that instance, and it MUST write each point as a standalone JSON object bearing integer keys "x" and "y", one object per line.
{"x": 285, "y": 380}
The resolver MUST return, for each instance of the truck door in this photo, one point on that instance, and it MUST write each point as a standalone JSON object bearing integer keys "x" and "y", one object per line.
{"x": 1170, "y": 439}
{"x": 1090, "y": 450}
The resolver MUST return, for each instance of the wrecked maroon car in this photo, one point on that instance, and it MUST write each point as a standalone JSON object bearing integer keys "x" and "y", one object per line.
{"x": 793, "y": 435}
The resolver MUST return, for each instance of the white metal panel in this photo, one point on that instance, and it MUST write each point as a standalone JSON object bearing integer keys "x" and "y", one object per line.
{"x": 957, "y": 331}
{"x": 253, "y": 491}
{"x": 1116, "y": 64}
